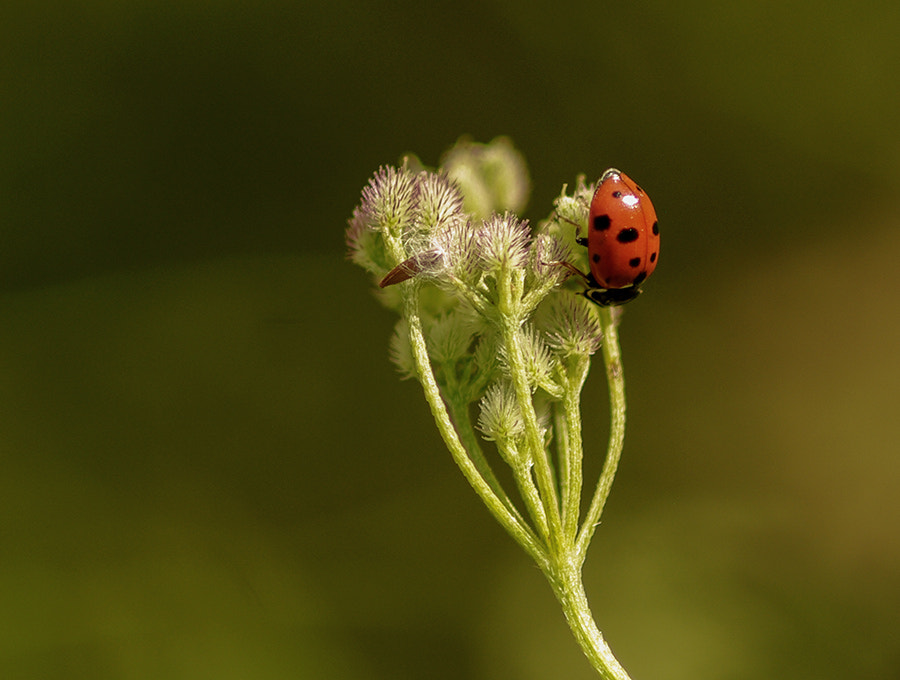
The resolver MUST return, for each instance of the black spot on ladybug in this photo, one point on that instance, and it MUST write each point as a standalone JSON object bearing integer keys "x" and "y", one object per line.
{"x": 602, "y": 222}
{"x": 656, "y": 228}
{"x": 634, "y": 262}
{"x": 639, "y": 278}
{"x": 628, "y": 235}
{"x": 652, "y": 258}
{"x": 639, "y": 189}
{"x": 595, "y": 257}
{"x": 617, "y": 194}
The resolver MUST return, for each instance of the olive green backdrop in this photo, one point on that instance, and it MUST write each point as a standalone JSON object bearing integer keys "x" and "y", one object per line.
{"x": 208, "y": 467}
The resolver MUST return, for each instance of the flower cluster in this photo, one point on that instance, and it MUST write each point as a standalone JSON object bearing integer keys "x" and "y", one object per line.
{"x": 477, "y": 271}
{"x": 484, "y": 319}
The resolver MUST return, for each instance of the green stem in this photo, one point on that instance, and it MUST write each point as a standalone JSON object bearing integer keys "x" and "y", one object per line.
{"x": 575, "y": 378}
{"x": 521, "y": 532}
{"x": 569, "y": 478}
{"x": 569, "y": 590}
{"x": 459, "y": 414}
{"x": 534, "y": 441}
{"x": 615, "y": 377}
{"x": 528, "y": 492}
{"x": 511, "y": 335}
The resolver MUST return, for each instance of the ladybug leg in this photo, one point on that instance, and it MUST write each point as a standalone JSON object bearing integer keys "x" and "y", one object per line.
{"x": 572, "y": 269}
{"x": 566, "y": 220}
{"x": 592, "y": 294}
{"x": 581, "y": 240}
{"x": 562, "y": 218}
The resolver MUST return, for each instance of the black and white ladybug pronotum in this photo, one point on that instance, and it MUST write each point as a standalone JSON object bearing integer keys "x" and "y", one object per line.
{"x": 622, "y": 240}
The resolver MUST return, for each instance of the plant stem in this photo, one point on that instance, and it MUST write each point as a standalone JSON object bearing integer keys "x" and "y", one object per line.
{"x": 520, "y": 531}
{"x": 569, "y": 590}
{"x": 459, "y": 414}
{"x": 543, "y": 472}
{"x": 509, "y": 300}
{"x": 571, "y": 450}
{"x": 615, "y": 377}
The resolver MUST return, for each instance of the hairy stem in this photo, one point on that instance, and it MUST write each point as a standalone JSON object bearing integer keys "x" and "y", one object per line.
{"x": 520, "y": 531}
{"x": 575, "y": 377}
{"x": 615, "y": 377}
{"x": 459, "y": 414}
{"x": 569, "y": 591}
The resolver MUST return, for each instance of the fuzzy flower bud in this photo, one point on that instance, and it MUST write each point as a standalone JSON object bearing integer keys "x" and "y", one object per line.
{"x": 493, "y": 177}
{"x": 547, "y": 254}
{"x": 572, "y": 327}
{"x": 569, "y": 211}
{"x": 501, "y": 418}
{"x": 386, "y": 210}
{"x": 449, "y": 337}
{"x": 438, "y": 203}
{"x": 387, "y": 203}
{"x": 503, "y": 243}
{"x": 538, "y": 362}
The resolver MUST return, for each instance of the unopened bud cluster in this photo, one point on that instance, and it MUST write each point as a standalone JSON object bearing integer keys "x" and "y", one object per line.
{"x": 481, "y": 272}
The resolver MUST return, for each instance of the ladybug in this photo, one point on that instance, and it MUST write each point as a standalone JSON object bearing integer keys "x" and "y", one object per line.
{"x": 622, "y": 240}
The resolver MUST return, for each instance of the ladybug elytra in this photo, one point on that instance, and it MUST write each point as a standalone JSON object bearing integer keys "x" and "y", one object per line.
{"x": 622, "y": 240}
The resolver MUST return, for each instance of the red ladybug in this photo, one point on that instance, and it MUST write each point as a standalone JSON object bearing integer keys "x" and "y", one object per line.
{"x": 622, "y": 240}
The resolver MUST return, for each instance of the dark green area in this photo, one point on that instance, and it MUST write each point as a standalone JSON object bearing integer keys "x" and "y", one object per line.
{"x": 208, "y": 467}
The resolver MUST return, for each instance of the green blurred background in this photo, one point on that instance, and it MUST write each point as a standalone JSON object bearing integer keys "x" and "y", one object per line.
{"x": 209, "y": 466}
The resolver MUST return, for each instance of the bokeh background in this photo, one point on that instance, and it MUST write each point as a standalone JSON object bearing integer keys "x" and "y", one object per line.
{"x": 208, "y": 467}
